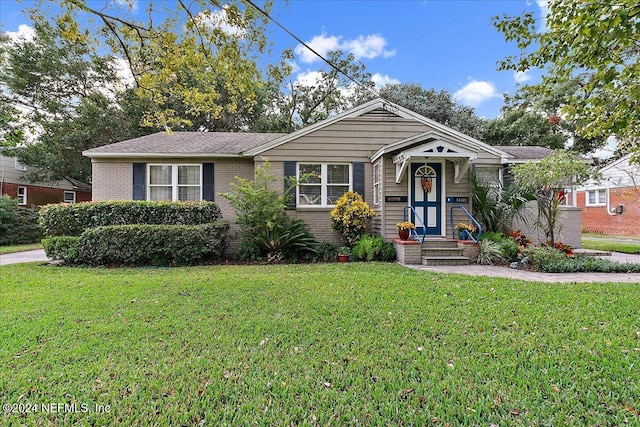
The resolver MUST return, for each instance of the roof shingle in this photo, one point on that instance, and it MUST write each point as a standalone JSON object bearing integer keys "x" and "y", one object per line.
{"x": 221, "y": 143}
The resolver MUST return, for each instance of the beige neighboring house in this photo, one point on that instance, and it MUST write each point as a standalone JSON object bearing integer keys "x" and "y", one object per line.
{"x": 381, "y": 150}
{"x": 12, "y": 183}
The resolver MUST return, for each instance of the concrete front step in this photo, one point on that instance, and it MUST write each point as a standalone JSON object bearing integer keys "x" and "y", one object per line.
{"x": 442, "y": 252}
{"x": 439, "y": 243}
{"x": 449, "y": 260}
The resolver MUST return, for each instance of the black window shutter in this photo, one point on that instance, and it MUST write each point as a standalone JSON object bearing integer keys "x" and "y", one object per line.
{"x": 207, "y": 182}
{"x": 289, "y": 181}
{"x": 358, "y": 178}
{"x": 139, "y": 172}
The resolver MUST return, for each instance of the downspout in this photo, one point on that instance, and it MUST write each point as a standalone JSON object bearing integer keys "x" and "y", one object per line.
{"x": 611, "y": 212}
{"x": 1, "y": 181}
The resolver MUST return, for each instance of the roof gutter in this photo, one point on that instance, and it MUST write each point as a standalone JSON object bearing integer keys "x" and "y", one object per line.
{"x": 158, "y": 155}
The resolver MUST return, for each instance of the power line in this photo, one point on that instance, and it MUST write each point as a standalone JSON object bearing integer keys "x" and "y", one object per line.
{"x": 331, "y": 64}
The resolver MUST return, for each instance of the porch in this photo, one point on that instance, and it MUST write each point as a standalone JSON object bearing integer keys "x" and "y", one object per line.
{"x": 435, "y": 251}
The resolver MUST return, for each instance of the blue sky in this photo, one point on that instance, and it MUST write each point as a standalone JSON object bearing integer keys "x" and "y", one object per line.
{"x": 441, "y": 44}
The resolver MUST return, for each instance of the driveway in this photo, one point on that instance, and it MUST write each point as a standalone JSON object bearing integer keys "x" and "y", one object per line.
{"x": 26, "y": 256}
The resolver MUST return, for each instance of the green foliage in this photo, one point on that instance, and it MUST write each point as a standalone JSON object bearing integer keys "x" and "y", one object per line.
{"x": 550, "y": 260}
{"x": 519, "y": 126}
{"x": 73, "y": 218}
{"x": 285, "y": 239}
{"x": 74, "y": 99}
{"x": 373, "y": 248}
{"x": 490, "y": 253}
{"x": 350, "y": 217}
{"x": 547, "y": 179}
{"x": 327, "y": 252}
{"x": 495, "y": 207}
{"x": 63, "y": 248}
{"x": 143, "y": 244}
{"x": 594, "y": 42}
{"x": 18, "y": 224}
{"x": 266, "y": 230}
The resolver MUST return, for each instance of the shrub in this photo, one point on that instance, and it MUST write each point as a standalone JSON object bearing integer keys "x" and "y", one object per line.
{"x": 370, "y": 248}
{"x": 350, "y": 217}
{"x": 285, "y": 239}
{"x": 327, "y": 252}
{"x": 509, "y": 249}
{"x": 142, "y": 244}
{"x": 267, "y": 231}
{"x": 72, "y": 219}
{"x": 18, "y": 225}
{"x": 62, "y": 248}
{"x": 550, "y": 260}
{"x": 490, "y": 252}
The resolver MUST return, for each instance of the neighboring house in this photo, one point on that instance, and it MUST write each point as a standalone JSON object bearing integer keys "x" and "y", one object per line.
{"x": 12, "y": 184}
{"x": 380, "y": 150}
{"x": 570, "y": 214}
{"x": 611, "y": 204}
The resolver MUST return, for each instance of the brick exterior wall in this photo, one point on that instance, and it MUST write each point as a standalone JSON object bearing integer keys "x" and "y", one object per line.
{"x": 38, "y": 196}
{"x": 112, "y": 181}
{"x": 595, "y": 219}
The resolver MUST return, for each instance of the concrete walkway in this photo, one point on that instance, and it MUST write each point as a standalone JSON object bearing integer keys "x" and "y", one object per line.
{"x": 25, "y": 256}
{"x": 534, "y": 276}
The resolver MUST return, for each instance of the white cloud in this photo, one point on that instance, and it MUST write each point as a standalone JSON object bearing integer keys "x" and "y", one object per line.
{"x": 130, "y": 4}
{"x": 370, "y": 46}
{"x": 219, "y": 19}
{"x": 310, "y": 78}
{"x": 544, "y": 11}
{"x": 383, "y": 80}
{"x": 24, "y": 33}
{"x": 476, "y": 92}
{"x": 521, "y": 76}
{"x": 321, "y": 44}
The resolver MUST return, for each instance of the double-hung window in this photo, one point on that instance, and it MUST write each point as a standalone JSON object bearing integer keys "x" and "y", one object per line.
{"x": 175, "y": 182}
{"x": 22, "y": 195}
{"x": 322, "y": 184}
{"x": 596, "y": 197}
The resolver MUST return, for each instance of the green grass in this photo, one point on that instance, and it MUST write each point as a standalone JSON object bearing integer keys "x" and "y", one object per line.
{"x": 19, "y": 248}
{"x": 598, "y": 244}
{"x": 334, "y": 344}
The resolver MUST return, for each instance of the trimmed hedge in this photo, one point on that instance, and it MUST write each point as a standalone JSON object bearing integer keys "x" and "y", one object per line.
{"x": 73, "y": 219}
{"x": 18, "y": 224}
{"x": 142, "y": 244}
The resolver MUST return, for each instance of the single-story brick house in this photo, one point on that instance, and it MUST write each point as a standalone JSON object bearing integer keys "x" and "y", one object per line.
{"x": 381, "y": 150}
{"x": 611, "y": 203}
{"x": 12, "y": 184}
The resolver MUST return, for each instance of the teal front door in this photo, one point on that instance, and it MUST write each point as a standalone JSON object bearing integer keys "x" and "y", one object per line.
{"x": 426, "y": 197}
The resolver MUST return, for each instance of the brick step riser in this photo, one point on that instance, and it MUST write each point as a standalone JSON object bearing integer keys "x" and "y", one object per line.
{"x": 442, "y": 252}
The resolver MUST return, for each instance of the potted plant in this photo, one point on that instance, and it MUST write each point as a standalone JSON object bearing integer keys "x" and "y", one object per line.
{"x": 343, "y": 254}
{"x": 462, "y": 229}
{"x": 404, "y": 229}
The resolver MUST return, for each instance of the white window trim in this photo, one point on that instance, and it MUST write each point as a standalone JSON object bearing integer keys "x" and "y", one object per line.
{"x": 174, "y": 179}
{"x": 19, "y": 166}
{"x": 598, "y": 191}
{"x": 24, "y": 196}
{"x": 64, "y": 197}
{"x": 377, "y": 183}
{"x": 323, "y": 182}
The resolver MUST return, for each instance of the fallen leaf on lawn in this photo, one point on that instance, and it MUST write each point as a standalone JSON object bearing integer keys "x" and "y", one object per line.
{"x": 226, "y": 375}
{"x": 327, "y": 384}
{"x": 556, "y": 389}
{"x": 450, "y": 363}
{"x": 420, "y": 348}
{"x": 630, "y": 409}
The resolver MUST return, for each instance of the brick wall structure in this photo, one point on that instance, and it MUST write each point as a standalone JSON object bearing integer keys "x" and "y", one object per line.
{"x": 596, "y": 219}
{"x": 38, "y": 196}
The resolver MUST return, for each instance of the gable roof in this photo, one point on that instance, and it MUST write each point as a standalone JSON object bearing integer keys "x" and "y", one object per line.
{"x": 184, "y": 144}
{"x": 366, "y": 108}
{"x": 520, "y": 153}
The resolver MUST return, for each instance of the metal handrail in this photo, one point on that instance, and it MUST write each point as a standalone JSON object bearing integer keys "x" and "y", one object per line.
{"x": 414, "y": 233}
{"x": 471, "y": 218}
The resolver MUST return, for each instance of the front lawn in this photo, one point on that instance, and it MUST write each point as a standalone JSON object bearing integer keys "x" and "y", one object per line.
{"x": 354, "y": 344}
{"x": 600, "y": 244}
